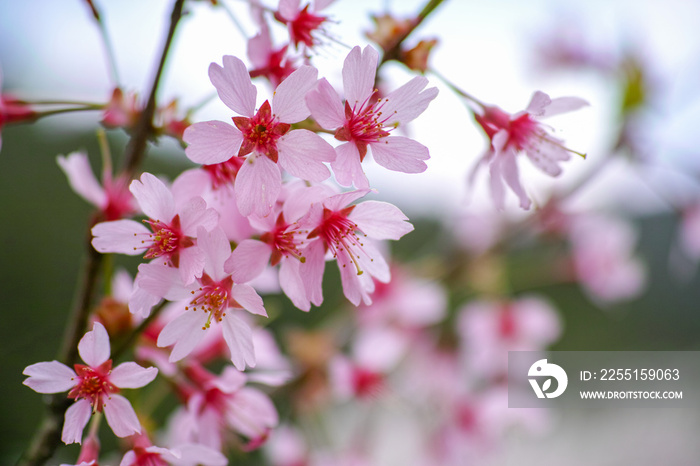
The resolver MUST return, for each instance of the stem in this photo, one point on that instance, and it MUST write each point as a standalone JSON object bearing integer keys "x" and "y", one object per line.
{"x": 457, "y": 90}
{"x": 48, "y": 437}
{"x": 136, "y": 150}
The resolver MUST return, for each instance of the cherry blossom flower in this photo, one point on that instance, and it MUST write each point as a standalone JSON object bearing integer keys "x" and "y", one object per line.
{"x": 274, "y": 64}
{"x": 187, "y": 454}
{"x": 217, "y": 404}
{"x": 406, "y": 302}
{"x": 209, "y": 298}
{"x": 363, "y": 121}
{"x": 263, "y": 137}
{"x": 604, "y": 260}
{"x": 112, "y": 198}
{"x": 95, "y": 386}
{"x": 522, "y": 132}
{"x": 281, "y": 242}
{"x": 489, "y": 329}
{"x": 305, "y": 25}
{"x": 173, "y": 228}
{"x": 347, "y": 233}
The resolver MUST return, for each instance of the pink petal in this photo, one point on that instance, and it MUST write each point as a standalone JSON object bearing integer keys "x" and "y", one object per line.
{"x": 400, "y": 154}
{"x": 200, "y": 454}
{"x": 232, "y": 83}
{"x": 538, "y": 103}
{"x": 94, "y": 346}
{"x": 82, "y": 180}
{"x": 191, "y": 264}
{"x": 162, "y": 281}
{"x": 408, "y": 101}
{"x": 185, "y": 332}
{"x": 76, "y": 418}
{"x": 211, "y": 142}
{"x": 380, "y": 220}
{"x": 49, "y": 377}
{"x": 292, "y": 283}
{"x": 246, "y": 296}
{"x": 141, "y": 302}
{"x": 546, "y": 156}
{"x": 121, "y": 416}
{"x": 342, "y": 200}
{"x": 257, "y": 186}
{"x": 359, "y": 70}
{"x": 216, "y": 249}
{"x": 509, "y": 172}
{"x": 288, "y": 101}
{"x": 119, "y": 236}
{"x": 312, "y": 272}
{"x": 326, "y": 106}
{"x": 252, "y": 413}
{"x": 259, "y": 48}
{"x": 230, "y": 381}
{"x": 194, "y": 213}
{"x": 289, "y": 9}
{"x": 356, "y": 287}
{"x": 131, "y": 375}
{"x": 372, "y": 262}
{"x": 347, "y": 167}
{"x": 153, "y": 197}
{"x": 302, "y": 153}
{"x": 563, "y": 105}
{"x": 299, "y": 201}
{"x": 248, "y": 260}
{"x": 239, "y": 339}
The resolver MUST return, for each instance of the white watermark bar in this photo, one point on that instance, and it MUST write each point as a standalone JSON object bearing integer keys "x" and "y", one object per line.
{"x": 640, "y": 379}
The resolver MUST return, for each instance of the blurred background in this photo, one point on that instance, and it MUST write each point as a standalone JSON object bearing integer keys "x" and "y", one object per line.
{"x": 636, "y": 62}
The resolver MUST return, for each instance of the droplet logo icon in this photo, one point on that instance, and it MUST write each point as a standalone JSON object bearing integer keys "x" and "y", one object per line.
{"x": 541, "y": 369}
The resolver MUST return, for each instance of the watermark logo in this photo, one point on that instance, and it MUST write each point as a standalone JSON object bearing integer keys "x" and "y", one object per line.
{"x": 542, "y": 369}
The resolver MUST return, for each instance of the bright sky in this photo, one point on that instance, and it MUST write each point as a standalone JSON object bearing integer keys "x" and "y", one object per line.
{"x": 51, "y": 49}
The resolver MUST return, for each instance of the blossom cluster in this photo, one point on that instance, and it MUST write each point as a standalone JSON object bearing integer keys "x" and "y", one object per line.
{"x": 270, "y": 197}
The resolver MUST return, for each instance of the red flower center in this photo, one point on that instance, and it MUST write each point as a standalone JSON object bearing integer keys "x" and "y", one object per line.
{"x": 224, "y": 173}
{"x": 213, "y": 298}
{"x": 339, "y": 234}
{"x": 261, "y": 132}
{"x": 302, "y": 28}
{"x": 93, "y": 384}
{"x": 166, "y": 239}
{"x": 364, "y": 125}
{"x": 282, "y": 241}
